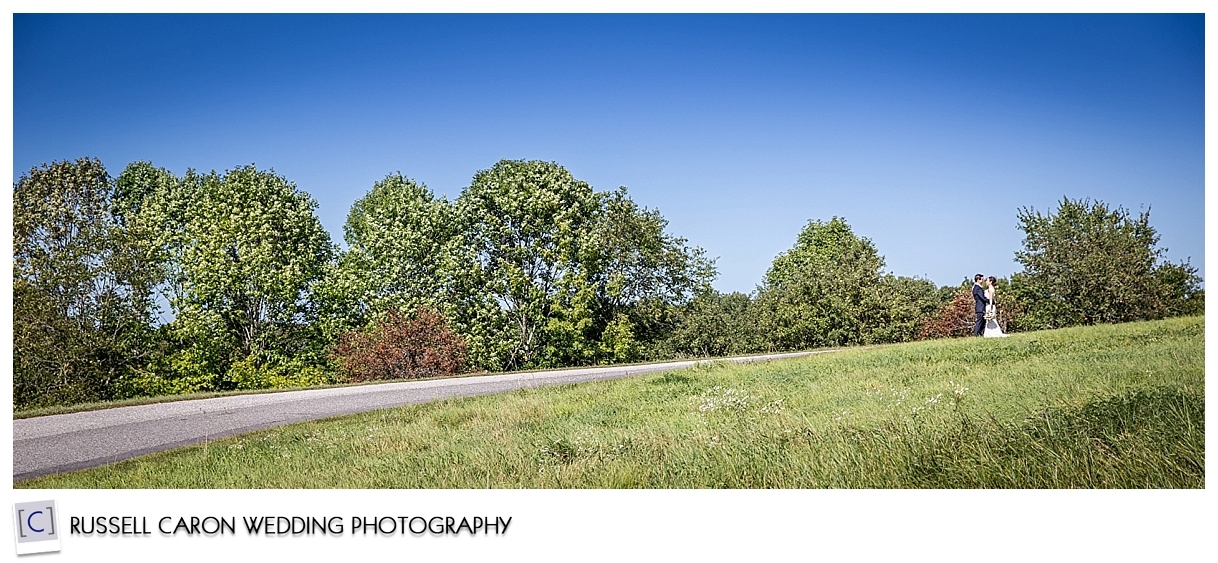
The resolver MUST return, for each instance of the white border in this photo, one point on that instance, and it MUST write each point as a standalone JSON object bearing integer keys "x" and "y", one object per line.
{"x": 602, "y": 525}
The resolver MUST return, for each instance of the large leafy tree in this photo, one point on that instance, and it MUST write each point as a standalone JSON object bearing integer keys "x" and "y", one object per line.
{"x": 825, "y": 291}
{"x": 1088, "y": 263}
{"x": 241, "y": 252}
{"x": 153, "y": 202}
{"x": 256, "y": 247}
{"x": 644, "y": 275}
{"x": 82, "y": 288}
{"x": 523, "y": 286}
{"x": 398, "y": 255}
{"x": 545, "y": 271}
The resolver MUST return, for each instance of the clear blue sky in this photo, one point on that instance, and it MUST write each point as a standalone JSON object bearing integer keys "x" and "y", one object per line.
{"x": 926, "y": 132}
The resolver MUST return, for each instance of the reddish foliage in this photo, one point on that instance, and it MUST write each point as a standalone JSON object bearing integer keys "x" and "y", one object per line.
{"x": 956, "y": 318}
{"x": 401, "y": 347}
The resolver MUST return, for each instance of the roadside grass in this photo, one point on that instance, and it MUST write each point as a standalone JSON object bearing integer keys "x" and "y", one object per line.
{"x": 1090, "y": 407}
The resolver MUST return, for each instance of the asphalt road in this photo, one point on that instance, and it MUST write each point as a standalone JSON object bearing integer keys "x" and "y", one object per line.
{"x": 67, "y": 442}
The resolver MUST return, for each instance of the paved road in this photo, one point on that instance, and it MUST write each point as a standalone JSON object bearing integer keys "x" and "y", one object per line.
{"x": 66, "y": 442}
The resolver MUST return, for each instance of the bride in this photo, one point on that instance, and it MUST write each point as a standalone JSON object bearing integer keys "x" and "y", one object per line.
{"x": 992, "y": 330}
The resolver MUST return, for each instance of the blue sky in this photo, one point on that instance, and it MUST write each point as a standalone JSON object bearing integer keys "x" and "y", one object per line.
{"x": 926, "y": 132}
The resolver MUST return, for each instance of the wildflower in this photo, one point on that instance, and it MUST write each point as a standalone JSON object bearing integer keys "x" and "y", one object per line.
{"x": 774, "y": 407}
{"x": 717, "y": 398}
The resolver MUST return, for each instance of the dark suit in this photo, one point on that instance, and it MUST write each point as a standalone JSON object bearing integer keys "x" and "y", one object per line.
{"x": 980, "y": 301}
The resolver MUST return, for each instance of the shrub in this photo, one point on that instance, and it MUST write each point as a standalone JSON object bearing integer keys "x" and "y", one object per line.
{"x": 1087, "y": 263}
{"x": 900, "y": 308}
{"x": 401, "y": 347}
{"x": 822, "y": 292}
{"x": 717, "y": 324}
{"x": 283, "y": 374}
{"x": 956, "y": 318}
{"x": 177, "y": 373}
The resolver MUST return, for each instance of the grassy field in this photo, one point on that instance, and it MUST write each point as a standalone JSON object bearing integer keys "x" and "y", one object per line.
{"x": 1107, "y": 406}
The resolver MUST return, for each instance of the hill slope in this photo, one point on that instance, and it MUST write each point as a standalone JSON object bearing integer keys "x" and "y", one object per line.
{"x": 1106, "y": 406}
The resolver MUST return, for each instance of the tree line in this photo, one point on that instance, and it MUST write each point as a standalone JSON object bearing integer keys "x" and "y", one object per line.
{"x": 150, "y": 283}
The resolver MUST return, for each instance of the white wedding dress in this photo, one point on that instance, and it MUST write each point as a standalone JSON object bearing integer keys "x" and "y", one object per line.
{"x": 992, "y": 330}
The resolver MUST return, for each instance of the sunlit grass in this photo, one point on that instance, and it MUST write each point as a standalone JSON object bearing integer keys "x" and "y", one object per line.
{"x": 1106, "y": 406}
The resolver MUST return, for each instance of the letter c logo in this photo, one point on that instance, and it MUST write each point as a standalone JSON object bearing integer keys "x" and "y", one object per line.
{"x": 29, "y": 522}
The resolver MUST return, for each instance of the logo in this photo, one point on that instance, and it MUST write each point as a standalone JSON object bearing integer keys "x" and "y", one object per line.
{"x": 36, "y": 526}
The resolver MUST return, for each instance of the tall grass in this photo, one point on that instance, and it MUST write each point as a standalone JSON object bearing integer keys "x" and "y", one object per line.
{"x": 1106, "y": 406}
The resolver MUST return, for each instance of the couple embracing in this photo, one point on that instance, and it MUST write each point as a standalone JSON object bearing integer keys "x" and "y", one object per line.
{"x": 987, "y": 314}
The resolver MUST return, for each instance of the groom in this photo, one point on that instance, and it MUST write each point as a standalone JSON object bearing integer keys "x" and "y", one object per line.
{"x": 980, "y": 302}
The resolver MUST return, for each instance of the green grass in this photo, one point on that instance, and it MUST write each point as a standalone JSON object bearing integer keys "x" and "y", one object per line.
{"x": 1092, "y": 407}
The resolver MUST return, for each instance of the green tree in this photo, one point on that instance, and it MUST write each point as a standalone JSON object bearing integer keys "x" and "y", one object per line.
{"x": 82, "y": 291}
{"x": 522, "y": 286}
{"x": 717, "y": 324}
{"x": 904, "y": 305}
{"x": 241, "y": 253}
{"x": 399, "y": 239}
{"x": 1087, "y": 263}
{"x": 644, "y": 276}
{"x": 825, "y": 291}
{"x": 544, "y": 271}
{"x": 1180, "y": 289}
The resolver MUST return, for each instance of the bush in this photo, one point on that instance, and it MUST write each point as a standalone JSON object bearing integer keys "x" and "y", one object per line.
{"x": 618, "y": 342}
{"x": 717, "y": 324}
{"x": 400, "y": 347}
{"x": 823, "y": 291}
{"x": 1180, "y": 292}
{"x": 250, "y": 374}
{"x": 1087, "y": 263}
{"x": 177, "y": 373}
{"x": 956, "y": 318}
{"x": 900, "y": 309}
